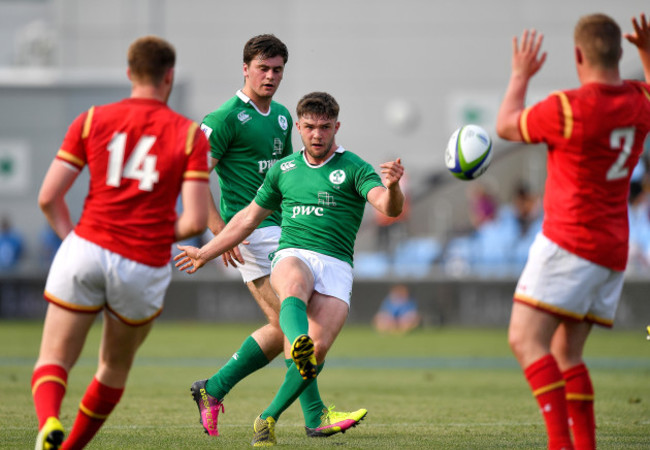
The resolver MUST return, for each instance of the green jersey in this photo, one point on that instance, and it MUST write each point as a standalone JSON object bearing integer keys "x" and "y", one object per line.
{"x": 322, "y": 206}
{"x": 247, "y": 144}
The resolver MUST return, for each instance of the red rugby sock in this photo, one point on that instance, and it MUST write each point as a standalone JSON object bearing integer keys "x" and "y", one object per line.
{"x": 547, "y": 384}
{"x": 49, "y": 384}
{"x": 95, "y": 407}
{"x": 580, "y": 403}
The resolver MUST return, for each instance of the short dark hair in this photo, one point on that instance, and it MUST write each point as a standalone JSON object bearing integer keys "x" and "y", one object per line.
{"x": 149, "y": 57}
{"x": 599, "y": 38}
{"x": 265, "y": 46}
{"x": 318, "y": 104}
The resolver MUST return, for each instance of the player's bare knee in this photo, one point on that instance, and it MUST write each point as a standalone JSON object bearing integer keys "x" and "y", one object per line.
{"x": 516, "y": 344}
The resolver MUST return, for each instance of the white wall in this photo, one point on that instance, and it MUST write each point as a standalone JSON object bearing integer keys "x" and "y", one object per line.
{"x": 449, "y": 60}
{"x": 366, "y": 53}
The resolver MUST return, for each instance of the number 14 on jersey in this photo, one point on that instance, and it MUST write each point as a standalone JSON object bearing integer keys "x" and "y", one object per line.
{"x": 141, "y": 166}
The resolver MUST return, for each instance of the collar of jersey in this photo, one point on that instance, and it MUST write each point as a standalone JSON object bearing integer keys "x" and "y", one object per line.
{"x": 246, "y": 99}
{"x": 339, "y": 149}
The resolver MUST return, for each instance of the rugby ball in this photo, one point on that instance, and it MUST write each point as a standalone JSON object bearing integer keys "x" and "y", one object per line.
{"x": 469, "y": 152}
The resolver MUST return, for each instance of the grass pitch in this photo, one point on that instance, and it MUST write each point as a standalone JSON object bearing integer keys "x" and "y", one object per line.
{"x": 435, "y": 388}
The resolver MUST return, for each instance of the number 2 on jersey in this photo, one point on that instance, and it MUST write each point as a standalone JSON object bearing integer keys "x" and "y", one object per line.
{"x": 141, "y": 166}
{"x": 621, "y": 139}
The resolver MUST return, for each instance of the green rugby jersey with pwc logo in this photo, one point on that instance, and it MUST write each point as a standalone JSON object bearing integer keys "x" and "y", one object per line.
{"x": 322, "y": 206}
{"x": 247, "y": 144}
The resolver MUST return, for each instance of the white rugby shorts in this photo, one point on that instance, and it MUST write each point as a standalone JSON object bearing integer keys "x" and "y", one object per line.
{"x": 332, "y": 276}
{"x": 262, "y": 242}
{"x": 86, "y": 277}
{"x": 564, "y": 284}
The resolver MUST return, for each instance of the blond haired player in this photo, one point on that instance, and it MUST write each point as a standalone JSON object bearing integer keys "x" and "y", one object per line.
{"x": 574, "y": 274}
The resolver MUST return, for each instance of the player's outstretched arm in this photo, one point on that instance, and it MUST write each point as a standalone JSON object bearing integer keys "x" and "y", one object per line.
{"x": 241, "y": 225}
{"x": 389, "y": 201}
{"x": 526, "y": 62}
{"x": 641, "y": 39}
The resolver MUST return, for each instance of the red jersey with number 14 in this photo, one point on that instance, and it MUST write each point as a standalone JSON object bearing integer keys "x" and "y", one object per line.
{"x": 595, "y": 135}
{"x": 138, "y": 152}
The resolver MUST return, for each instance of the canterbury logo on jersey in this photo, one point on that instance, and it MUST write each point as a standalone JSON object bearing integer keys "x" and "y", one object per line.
{"x": 306, "y": 211}
{"x": 287, "y": 166}
{"x": 243, "y": 117}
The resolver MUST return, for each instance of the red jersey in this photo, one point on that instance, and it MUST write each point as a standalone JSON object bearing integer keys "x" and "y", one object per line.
{"x": 595, "y": 135}
{"x": 138, "y": 152}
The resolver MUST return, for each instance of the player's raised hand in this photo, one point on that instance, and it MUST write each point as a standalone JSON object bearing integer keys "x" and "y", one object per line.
{"x": 641, "y": 36}
{"x": 526, "y": 57}
{"x": 392, "y": 171}
{"x": 641, "y": 39}
{"x": 188, "y": 259}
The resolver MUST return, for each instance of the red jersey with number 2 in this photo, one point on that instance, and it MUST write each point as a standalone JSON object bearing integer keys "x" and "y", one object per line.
{"x": 138, "y": 152}
{"x": 595, "y": 135}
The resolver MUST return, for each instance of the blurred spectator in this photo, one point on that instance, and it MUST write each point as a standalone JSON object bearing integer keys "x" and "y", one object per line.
{"x": 11, "y": 245}
{"x": 391, "y": 231}
{"x": 502, "y": 234}
{"x": 482, "y": 204}
{"x": 398, "y": 312}
{"x": 527, "y": 206}
{"x": 50, "y": 242}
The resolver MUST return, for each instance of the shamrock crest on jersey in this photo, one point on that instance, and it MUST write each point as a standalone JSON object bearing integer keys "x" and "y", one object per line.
{"x": 284, "y": 124}
{"x": 337, "y": 176}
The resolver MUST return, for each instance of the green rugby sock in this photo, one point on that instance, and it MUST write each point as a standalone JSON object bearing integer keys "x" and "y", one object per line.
{"x": 310, "y": 401}
{"x": 291, "y": 388}
{"x": 293, "y": 318}
{"x": 245, "y": 361}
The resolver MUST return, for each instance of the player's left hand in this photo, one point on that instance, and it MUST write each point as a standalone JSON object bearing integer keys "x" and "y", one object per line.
{"x": 392, "y": 171}
{"x": 526, "y": 57}
{"x": 188, "y": 259}
{"x": 641, "y": 36}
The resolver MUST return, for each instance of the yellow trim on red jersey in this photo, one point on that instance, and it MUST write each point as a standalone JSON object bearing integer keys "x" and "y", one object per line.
{"x": 189, "y": 141}
{"x": 567, "y": 112}
{"x": 647, "y": 95}
{"x": 92, "y": 414}
{"x": 548, "y": 388}
{"x": 89, "y": 118}
{"x": 574, "y": 396}
{"x": 196, "y": 174}
{"x": 69, "y": 157}
{"x": 546, "y": 307}
{"x": 47, "y": 378}
{"x": 523, "y": 125}
{"x": 70, "y": 306}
